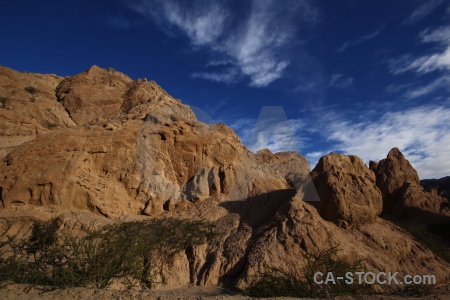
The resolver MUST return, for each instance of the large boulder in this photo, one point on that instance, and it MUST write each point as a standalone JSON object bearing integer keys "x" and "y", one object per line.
{"x": 403, "y": 196}
{"x": 347, "y": 190}
{"x": 393, "y": 172}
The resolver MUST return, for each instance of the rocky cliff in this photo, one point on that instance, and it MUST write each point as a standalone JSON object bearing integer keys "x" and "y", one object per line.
{"x": 111, "y": 148}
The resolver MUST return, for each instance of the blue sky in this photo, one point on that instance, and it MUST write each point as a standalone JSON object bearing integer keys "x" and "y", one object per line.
{"x": 355, "y": 77}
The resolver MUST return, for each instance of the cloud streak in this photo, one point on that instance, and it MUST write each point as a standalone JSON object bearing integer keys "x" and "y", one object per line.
{"x": 437, "y": 61}
{"x": 340, "y": 81}
{"x": 422, "y": 11}
{"x": 230, "y": 76}
{"x": 437, "y": 84}
{"x": 253, "y": 45}
{"x": 362, "y": 39}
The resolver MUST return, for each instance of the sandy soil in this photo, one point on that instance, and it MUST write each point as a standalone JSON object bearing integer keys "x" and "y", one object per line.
{"x": 16, "y": 292}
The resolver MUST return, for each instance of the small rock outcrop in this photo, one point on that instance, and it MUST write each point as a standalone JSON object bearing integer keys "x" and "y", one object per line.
{"x": 28, "y": 108}
{"x": 403, "y": 196}
{"x": 95, "y": 94}
{"x": 347, "y": 190}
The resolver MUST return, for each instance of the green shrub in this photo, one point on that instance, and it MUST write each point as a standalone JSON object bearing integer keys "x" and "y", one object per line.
{"x": 136, "y": 251}
{"x": 31, "y": 89}
{"x": 278, "y": 283}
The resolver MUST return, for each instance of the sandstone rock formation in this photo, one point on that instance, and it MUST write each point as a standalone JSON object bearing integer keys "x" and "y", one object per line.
{"x": 126, "y": 150}
{"x": 403, "y": 196}
{"x": 347, "y": 190}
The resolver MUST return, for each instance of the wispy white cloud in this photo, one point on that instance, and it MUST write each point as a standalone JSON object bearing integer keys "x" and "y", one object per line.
{"x": 423, "y": 64}
{"x": 422, "y": 11}
{"x": 219, "y": 62}
{"x": 340, "y": 81}
{"x": 399, "y": 87}
{"x": 253, "y": 45}
{"x": 418, "y": 89}
{"x": 437, "y": 84}
{"x": 440, "y": 35}
{"x": 201, "y": 21}
{"x": 422, "y": 133}
{"x": 437, "y": 61}
{"x": 230, "y": 76}
{"x": 203, "y": 25}
{"x": 349, "y": 44}
{"x": 307, "y": 86}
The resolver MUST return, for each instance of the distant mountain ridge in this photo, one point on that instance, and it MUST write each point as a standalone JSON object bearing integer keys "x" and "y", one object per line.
{"x": 441, "y": 186}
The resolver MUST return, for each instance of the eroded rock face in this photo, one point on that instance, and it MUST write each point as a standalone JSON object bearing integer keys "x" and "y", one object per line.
{"x": 75, "y": 169}
{"x": 28, "y": 108}
{"x": 347, "y": 190}
{"x": 403, "y": 196}
{"x": 135, "y": 150}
